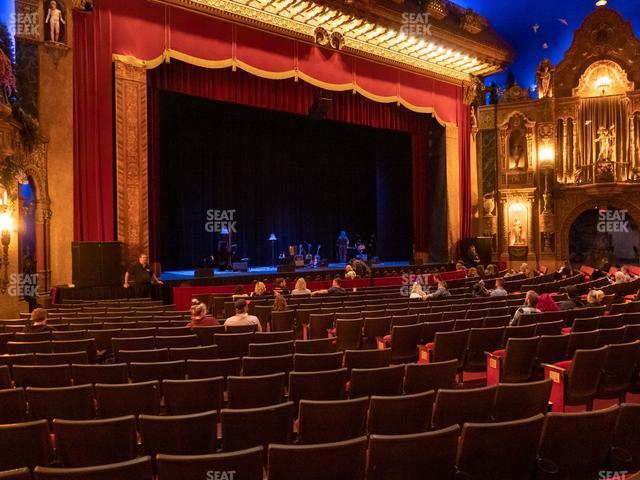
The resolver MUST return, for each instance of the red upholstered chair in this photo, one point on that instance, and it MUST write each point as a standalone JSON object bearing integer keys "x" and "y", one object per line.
{"x": 447, "y": 346}
{"x": 401, "y": 415}
{"x": 422, "y": 377}
{"x": 325, "y": 385}
{"x": 463, "y": 405}
{"x": 619, "y": 367}
{"x": 332, "y": 421}
{"x": 25, "y": 445}
{"x": 576, "y": 382}
{"x": 481, "y": 340}
{"x": 513, "y": 364}
{"x": 515, "y": 401}
{"x": 625, "y": 452}
{"x": 376, "y": 381}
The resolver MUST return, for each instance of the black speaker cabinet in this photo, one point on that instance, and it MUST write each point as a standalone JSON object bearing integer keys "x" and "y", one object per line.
{"x": 481, "y": 245}
{"x": 289, "y": 268}
{"x": 240, "y": 266}
{"x": 203, "y": 272}
{"x": 97, "y": 263}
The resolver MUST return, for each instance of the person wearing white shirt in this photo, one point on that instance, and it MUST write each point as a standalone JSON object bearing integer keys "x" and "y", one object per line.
{"x": 242, "y": 316}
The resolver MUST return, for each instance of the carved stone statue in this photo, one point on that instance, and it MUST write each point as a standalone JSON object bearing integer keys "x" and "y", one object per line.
{"x": 473, "y": 117}
{"x": 54, "y": 19}
{"x": 607, "y": 139}
{"x": 488, "y": 204}
{"x": 516, "y": 230}
{"x": 517, "y": 151}
{"x": 544, "y": 77}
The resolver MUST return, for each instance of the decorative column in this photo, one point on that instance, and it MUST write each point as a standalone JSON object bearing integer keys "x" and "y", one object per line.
{"x": 565, "y": 148}
{"x": 632, "y": 143}
{"x": 131, "y": 158}
{"x": 574, "y": 150}
{"x": 453, "y": 189}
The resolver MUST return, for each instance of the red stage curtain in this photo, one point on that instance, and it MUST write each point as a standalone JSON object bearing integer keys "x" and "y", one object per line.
{"x": 93, "y": 170}
{"x": 464, "y": 145}
{"x": 292, "y": 97}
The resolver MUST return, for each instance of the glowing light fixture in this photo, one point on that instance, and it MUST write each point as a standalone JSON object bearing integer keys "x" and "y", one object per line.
{"x": 601, "y": 3}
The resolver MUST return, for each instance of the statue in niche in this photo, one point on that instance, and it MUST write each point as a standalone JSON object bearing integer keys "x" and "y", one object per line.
{"x": 517, "y": 151}
{"x": 543, "y": 78}
{"x": 489, "y": 203}
{"x": 607, "y": 140}
{"x": 516, "y": 232}
{"x": 55, "y": 20}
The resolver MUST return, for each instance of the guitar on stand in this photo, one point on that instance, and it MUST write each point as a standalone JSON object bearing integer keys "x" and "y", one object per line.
{"x": 316, "y": 257}
{"x": 298, "y": 259}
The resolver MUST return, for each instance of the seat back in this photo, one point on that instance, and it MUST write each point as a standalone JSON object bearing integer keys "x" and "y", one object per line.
{"x": 254, "y": 392}
{"x": 618, "y": 369}
{"x": 246, "y": 464}
{"x": 137, "y": 469}
{"x": 348, "y": 420}
{"x": 13, "y": 405}
{"x": 349, "y": 333}
{"x": 233, "y": 344}
{"x": 515, "y": 401}
{"x": 208, "y": 352}
{"x": 247, "y": 428}
{"x": 626, "y": 439}
{"x": 222, "y": 367}
{"x": 253, "y": 366}
{"x": 315, "y": 362}
{"x": 404, "y": 343}
{"x": 519, "y": 359}
{"x": 193, "y": 434}
{"x": 271, "y": 349}
{"x": 87, "y": 345}
{"x": 321, "y": 345}
{"x": 367, "y": 358}
{"x": 464, "y": 405}
{"x": 500, "y": 450}
{"x": 69, "y": 403}
{"x": 584, "y": 375}
{"x": 576, "y": 445}
{"x": 430, "y": 376}
{"x": 91, "y": 374}
{"x": 401, "y": 415}
{"x": 182, "y": 397}
{"x": 283, "y": 321}
{"x": 25, "y": 445}
{"x": 429, "y": 329}
{"x": 481, "y": 340}
{"x": 42, "y": 375}
{"x": 450, "y": 345}
{"x": 325, "y": 385}
{"x": 376, "y": 381}
{"x": 128, "y": 399}
{"x": 552, "y": 348}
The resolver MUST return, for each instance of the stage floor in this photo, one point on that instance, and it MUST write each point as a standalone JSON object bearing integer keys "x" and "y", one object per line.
{"x": 172, "y": 275}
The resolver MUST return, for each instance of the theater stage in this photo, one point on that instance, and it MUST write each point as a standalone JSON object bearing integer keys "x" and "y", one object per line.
{"x": 259, "y": 273}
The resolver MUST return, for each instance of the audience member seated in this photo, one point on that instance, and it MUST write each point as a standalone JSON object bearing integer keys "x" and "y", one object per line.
{"x": 279, "y": 303}
{"x": 336, "y": 289}
{"x": 524, "y": 268}
{"x": 199, "y": 317}
{"x": 37, "y": 322}
{"x": 460, "y": 266}
{"x": 417, "y": 292}
{"x": 441, "y": 292}
{"x": 301, "y": 287}
{"x": 566, "y": 270}
{"x": 479, "y": 290}
{"x": 280, "y": 286}
{"x": 574, "y": 300}
{"x": 603, "y": 270}
{"x": 259, "y": 290}
{"x": 361, "y": 268}
{"x": 510, "y": 272}
{"x": 595, "y": 298}
{"x": 530, "y": 306}
{"x": 480, "y": 270}
{"x": 238, "y": 292}
{"x": 242, "y": 316}
{"x": 499, "y": 291}
{"x": 350, "y": 273}
{"x": 472, "y": 272}
{"x": 546, "y": 303}
{"x": 491, "y": 270}
{"x": 621, "y": 277}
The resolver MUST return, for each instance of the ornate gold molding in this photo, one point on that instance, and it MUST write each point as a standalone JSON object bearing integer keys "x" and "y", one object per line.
{"x": 131, "y": 158}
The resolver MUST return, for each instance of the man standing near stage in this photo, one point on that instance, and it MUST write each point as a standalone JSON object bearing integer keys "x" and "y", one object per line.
{"x": 141, "y": 277}
{"x": 343, "y": 245}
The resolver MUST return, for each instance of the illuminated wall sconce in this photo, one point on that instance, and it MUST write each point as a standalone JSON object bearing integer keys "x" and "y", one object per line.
{"x": 546, "y": 156}
{"x": 6, "y": 226}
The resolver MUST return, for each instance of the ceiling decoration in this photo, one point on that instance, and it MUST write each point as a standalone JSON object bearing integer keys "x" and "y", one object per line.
{"x": 438, "y": 38}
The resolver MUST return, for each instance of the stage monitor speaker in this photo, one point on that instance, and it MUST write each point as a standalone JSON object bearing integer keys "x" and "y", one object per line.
{"x": 320, "y": 107}
{"x": 482, "y": 246}
{"x": 240, "y": 266}
{"x": 203, "y": 272}
{"x": 288, "y": 268}
{"x": 96, "y": 263}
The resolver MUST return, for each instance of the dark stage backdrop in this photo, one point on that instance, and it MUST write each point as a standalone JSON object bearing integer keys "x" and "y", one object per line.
{"x": 302, "y": 179}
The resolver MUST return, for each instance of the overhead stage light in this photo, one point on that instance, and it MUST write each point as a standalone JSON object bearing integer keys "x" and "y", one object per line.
{"x": 601, "y": 3}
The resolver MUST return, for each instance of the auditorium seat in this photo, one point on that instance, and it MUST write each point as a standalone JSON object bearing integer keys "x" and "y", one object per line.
{"x": 208, "y": 352}
{"x": 496, "y": 321}
{"x": 143, "y": 356}
{"x": 184, "y": 341}
{"x": 273, "y": 337}
{"x": 138, "y": 332}
{"x": 331, "y": 421}
{"x": 32, "y": 337}
{"x": 62, "y": 358}
{"x": 137, "y": 469}
{"x": 401, "y": 415}
{"x": 576, "y": 382}
{"x": 324, "y": 385}
{"x": 375, "y": 327}
{"x": 95, "y": 442}
{"x": 611, "y": 321}
{"x": 321, "y": 345}
{"x": 282, "y": 321}
{"x": 515, "y": 363}
{"x": 233, "y": 344}
{"x": 386, "y": 381}
{"x": 367, "y": 358}
{"x": 25, "y": 445}
{"x": 576, "y": 445}
{"x": 626, "y": 439}
{"x": 173, "y": 331}
{"x": 404, "y": 343}
{"x": 133, "y": 343}
{"x": 91, "y": 374}
{"x": 504, "y": 450}
{"x": 552, "y": 349}
{"x": 468, "y": 323}
{"x": 42, "y": 375}
{"x": 69, "y": 403}
{"x": 69, "y": 335}
{"x": 128, "y": 399}
{"x": 16, "y": 347}
{"x": 206, "y": 334}
{"x": 222, "y": 367}
{"x": 13, "y": 405}
{"x": 315, "y": 362}
{"x": 631, "y": 333}
{"x": 481, "y": 340}
{"x": 419, "y": 456}
{"x": 516, "y": 331}
{"x": 549, "y": 328}
{"x": 67, "y": 346}
{"x": 253, "y": 366}
{"x": 16, "y": 474}
{"x": 515, "y": 401}
{"x": 429, "y": 329}
{"x": 182, "y": 397}
{"x": 148, "y": 371}
{"x": 5, "y": 377}
{"x": 349, "y": 334}
{"x": 271, "y": 349}
{"x": 463, "y": 405}
{"x": 422, "y": 377}
{"x": 619, "y": 366}
{"x": 339, "y": 460}
{"x": 449, "y": 346}
{"x": 241, "y": 329}
{"x": 246, "y": 465}
{"x": 254, "y": 427}
{"x": 610, "y": 336}
{"x": 104, "y": 337}
{"x": 581, "y": 341}
{"x": 254, "y": 392}
{"x": 319, "y": 325}
{"x": 193, "y": 434}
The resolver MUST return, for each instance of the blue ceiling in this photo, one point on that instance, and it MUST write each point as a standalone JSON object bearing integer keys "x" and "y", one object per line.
{"x": 555, "y": 21}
